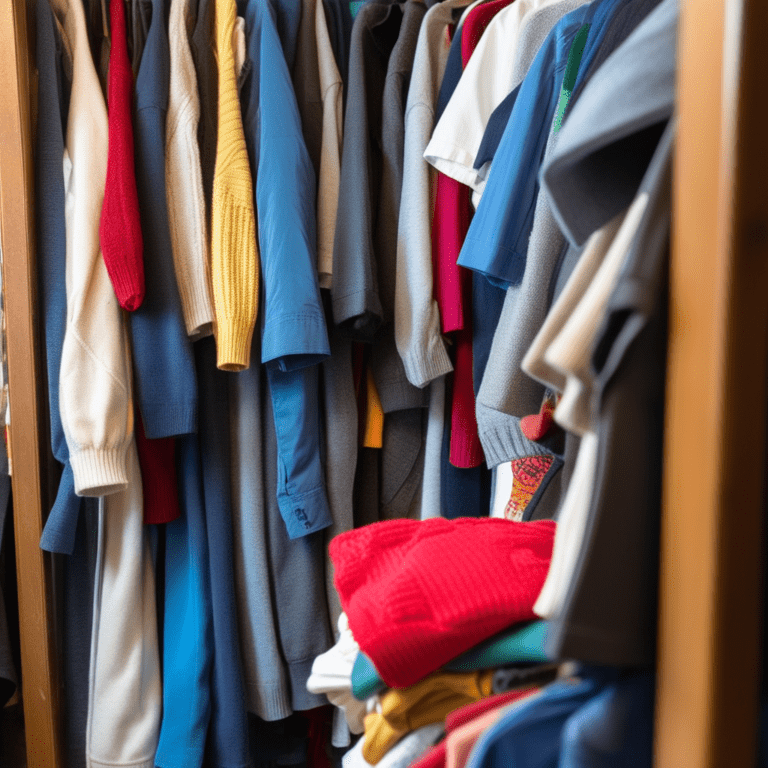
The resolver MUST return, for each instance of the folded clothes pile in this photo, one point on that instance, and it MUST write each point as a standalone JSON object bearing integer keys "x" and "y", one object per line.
{"x": 438, "y": 614}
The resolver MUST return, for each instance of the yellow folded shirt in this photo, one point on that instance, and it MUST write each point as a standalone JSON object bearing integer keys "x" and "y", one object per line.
{"x": 429, "y": 701}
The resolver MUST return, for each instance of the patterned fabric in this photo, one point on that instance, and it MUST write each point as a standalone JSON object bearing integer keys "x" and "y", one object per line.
{"x": 528, "y": 474}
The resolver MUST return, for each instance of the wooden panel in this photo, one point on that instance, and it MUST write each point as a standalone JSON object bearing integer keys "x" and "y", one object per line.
{"x": 710, "y": 600}
{"x": 40, "y": 688}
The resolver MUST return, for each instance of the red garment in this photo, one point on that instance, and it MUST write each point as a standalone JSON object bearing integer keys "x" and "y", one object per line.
{"x": 318, "y": 735}
{"x": 463, "y": 715}
{"x": 419, "y": 593}
{"x": 475, "y": 24}
{"x": 157, "y": 459}
{"x": 466, "y": 448}
{"x": 122, "y": 244}
{"x": 452, "y": 283}
{"x": 436, "y": 756}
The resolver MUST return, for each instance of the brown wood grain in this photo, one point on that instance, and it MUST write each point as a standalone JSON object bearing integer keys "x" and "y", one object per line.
{"x": 39, "y": 673}
{"x": 710, "y": 587}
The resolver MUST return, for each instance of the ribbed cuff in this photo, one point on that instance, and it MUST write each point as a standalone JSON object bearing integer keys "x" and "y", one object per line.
{"x": 148, "y": 762}
{"x": 422, "y": 366}
{"x": 233, "y": 343}
{"x": 169, "y": 419}
{"x": 502, "y": 438}
{"x": 270, "y": 702}
{"x": 99, "y": 471}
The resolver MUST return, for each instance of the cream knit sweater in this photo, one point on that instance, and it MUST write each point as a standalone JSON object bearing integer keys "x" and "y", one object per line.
{"x": 184, "y": 180}
{"x": 94, "y": 382}
{"x": 124, "y": 704}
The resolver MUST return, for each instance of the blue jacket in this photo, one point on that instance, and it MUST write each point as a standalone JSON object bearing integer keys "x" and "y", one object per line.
{"x": 61, "y": 525}
{"x": 162, "y": 353}
{"x": 497, "y": 242}
{"x": 294, "y": 336}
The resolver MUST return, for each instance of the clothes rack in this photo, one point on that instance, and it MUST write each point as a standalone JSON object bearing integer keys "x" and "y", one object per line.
{"x": 711, "y": 557}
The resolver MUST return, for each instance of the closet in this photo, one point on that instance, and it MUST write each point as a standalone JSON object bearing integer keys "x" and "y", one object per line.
{"x": 711, "y": 561}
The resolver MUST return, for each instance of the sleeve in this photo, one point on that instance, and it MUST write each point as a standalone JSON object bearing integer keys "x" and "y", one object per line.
{"x": 483, "y": 85}
{"x": 497, "y": 242}
{"x": 184, "y": 185}
{"x": 330, "y": 152}
{"x": 294, "y": 335}
{"x": 94, "y": 381}
{"x": 357, "y": 308}
{"x": 417, "y": 317}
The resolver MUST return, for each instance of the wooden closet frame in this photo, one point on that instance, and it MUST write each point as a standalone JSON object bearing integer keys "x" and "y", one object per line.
{"x": 711, "y": 566}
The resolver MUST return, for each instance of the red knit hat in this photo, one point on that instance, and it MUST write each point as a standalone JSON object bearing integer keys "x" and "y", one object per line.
{"x": 419, "y": 593}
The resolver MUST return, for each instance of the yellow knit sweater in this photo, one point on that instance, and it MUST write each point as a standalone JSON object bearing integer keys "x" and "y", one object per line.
{"x": 234, "y": 262}
{"x": 429, "y": 701}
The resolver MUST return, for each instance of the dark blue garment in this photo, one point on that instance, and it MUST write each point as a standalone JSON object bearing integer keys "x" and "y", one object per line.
{"x": 228, "y": 737}
{"x": 451, "y": 76}
{"x": 529, "y": 735}
{"x": 338, "y": 17}
{"x": 187, "y": 622}
{"x": 50, "y": 227}
{"x": 495, "y": 128}
{"x": 294, "y": 336}
{"x": 497, "y": 242}
{"x": 162, "y": 353}
{"x": 287, "y": 20}
{"x": 614, "y": 729}
{"x": 464, "y": 492}
{"x": 77, "y": 620}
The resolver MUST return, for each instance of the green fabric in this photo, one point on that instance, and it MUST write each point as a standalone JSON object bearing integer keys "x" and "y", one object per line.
{"x": 571, "y": 70}
{"x": 516, "y": 645}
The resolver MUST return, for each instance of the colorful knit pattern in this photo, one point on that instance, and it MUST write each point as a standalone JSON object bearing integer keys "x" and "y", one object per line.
{"x": 527, "y": 475}
{"x": 234, "y": 262}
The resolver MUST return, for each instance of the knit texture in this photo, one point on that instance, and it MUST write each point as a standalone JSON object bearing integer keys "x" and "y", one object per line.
{"x": 418, "y": 593}
{"x": 234, "y": 266}
{"x": 187, "y": 218}
{"x": 94, "y": 380}
{"x": 120, "y": 226}
{"x": 423, "y": 704}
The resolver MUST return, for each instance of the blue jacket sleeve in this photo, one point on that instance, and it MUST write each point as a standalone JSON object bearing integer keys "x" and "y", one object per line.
{"x": 294, "y": 335}
{"x": 61, "y": 525}
{"x": 497, "y": 241}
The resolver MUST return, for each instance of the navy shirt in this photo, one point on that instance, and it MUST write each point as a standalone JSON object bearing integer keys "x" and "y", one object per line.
{"x": 164, "y": 367}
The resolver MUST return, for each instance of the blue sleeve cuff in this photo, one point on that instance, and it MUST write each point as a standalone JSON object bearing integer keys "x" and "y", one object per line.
{"x": 295, "y": 341}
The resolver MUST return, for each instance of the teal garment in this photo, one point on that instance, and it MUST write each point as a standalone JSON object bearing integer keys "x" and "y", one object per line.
{"x": 516, "y": 645}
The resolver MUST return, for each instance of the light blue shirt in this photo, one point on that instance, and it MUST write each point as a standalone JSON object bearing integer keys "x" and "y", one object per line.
{"x": 497, "y": 241}
{"x": 294, "y": 336}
